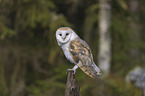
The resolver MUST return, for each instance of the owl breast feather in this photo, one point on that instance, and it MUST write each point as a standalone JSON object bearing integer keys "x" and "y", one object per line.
{"x": 67, "y": 53}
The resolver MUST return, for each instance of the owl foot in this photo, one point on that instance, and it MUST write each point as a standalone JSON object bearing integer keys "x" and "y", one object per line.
{"x": 74, "y": 71}
{"x": 99, "y": 73}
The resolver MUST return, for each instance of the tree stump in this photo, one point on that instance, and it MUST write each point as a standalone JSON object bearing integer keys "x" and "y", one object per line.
{"x": 72, "y": 89}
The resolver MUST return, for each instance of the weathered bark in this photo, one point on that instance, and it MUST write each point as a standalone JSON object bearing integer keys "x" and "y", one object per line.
{"x": 72, "y": 89}
{"x": 104, "y": 57}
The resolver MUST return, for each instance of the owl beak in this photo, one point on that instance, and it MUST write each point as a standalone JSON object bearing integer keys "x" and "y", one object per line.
{"x": 64, "y": 38}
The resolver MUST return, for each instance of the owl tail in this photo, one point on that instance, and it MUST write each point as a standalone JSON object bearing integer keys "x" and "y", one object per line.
{"x": 97, "y": 69}
{"x": 92, "y": 70}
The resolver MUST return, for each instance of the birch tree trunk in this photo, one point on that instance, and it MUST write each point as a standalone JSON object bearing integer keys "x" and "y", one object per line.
{"x": 104, "y": 57}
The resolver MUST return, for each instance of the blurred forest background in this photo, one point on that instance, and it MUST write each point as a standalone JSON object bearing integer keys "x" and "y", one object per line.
{"x": 32, "y": 64}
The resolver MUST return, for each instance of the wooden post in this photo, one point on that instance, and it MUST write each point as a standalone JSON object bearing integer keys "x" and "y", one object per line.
{"x": 72, "y": 89}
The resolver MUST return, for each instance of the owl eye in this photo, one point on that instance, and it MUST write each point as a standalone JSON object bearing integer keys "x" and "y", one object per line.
{"x": 67, "y": 34}
{"x": 60, "y": 34}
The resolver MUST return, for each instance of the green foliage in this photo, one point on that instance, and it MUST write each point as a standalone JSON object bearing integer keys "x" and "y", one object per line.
{"x": 27, "y": 16}
{"x": 91, "y": 17}
{"x": 117, "y": 86}
{"x": 46, "y": 88}
{"x": 5, "y": 32}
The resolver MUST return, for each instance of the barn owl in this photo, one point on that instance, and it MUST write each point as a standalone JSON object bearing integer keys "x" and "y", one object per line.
{"x": 77, "y": 51}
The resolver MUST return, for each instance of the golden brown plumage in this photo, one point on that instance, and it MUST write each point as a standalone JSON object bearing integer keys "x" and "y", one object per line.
{"x": 81, "y": 52}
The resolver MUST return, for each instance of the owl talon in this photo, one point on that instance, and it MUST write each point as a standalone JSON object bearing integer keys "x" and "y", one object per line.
{"x": 99, "y": 73}
{"x": 74, "y": 71}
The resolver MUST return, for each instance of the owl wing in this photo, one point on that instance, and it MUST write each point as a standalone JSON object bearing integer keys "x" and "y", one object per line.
{"x": 83, "y": 57}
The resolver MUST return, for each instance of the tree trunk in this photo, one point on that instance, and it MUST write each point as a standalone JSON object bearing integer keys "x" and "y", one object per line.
{"x": 144, "y": 92}
{"x": 134, "y": 28}
{"x": 104, "y": 57}
{"x": 72, "y": 89}
{"x": 3, "y": 83}
{"x": 17, "y": 80}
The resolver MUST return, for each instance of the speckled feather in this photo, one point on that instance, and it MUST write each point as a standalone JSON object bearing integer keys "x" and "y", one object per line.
{"x": 81, "y": 52}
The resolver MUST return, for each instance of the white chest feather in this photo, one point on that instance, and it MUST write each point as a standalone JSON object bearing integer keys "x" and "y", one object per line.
{"x": 67, "y": 54}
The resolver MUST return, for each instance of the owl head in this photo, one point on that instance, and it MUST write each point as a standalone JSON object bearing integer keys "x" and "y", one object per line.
{"x": 65, "y": 34}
